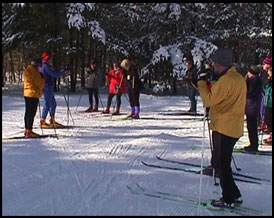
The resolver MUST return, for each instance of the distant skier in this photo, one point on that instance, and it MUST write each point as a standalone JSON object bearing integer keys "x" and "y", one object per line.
{"x": 49, "y": 99}
{"x": 191, "y": 78}
{"x": 133, "y": 88}
{"x": 93, "y": 75}
{"x": 254, "y": 97}
{"x": 117, "y": 86}
{"x": 34, "y": 84}
{"x": 227, "y": 100}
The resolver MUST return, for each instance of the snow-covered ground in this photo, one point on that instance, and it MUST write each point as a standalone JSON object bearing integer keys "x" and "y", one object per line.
{"x": 89, "y": 172}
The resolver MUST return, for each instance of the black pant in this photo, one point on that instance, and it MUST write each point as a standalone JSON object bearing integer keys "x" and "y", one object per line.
{"x": 268, "y": 117}
{"x": 221, "y": 160}
{"x": 118, "y": 99}
{"x": 91, "y": 92}
{"x": 31, "y": 108}
{"x": 252, "y": 128}
{"x": 134, "y": 95}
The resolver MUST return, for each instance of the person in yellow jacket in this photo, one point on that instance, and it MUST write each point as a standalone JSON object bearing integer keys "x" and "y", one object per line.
{"x": 226, "y": 100}
{"x": 34, "y": 84}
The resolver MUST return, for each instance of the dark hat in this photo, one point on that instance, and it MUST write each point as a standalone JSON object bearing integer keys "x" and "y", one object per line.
{"x": 35, "y": 62}
{"x": 224, "y": 56}
{"x": 254, "y": 69}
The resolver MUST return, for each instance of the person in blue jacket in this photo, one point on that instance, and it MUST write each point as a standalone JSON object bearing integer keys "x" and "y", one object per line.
{"x": 49, "y": 105}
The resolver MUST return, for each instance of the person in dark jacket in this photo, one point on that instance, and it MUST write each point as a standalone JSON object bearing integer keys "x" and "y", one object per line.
{"x": 192, "y": 78}
{"x": 133, "y": 88}
{"x": 49, "y": 99}
{"x": 92, "y": 76}
{"x": 254, "y": 96}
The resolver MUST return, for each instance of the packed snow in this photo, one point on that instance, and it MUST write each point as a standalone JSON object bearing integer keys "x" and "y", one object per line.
{"x": 89, "y": 170}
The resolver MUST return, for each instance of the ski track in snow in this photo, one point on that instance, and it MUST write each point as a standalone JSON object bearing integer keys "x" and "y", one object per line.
{"x": 87, "y": 173}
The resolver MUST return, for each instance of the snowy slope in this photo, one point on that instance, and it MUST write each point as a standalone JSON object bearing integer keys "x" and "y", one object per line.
{"x": 89, "y": 172}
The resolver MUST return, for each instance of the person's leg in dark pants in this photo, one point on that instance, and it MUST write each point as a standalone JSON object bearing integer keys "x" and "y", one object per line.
{"x": 110, "y": 96}
{"x": 95, "y": 93}
{"x": 31, "y": 108}
{"x": 251, "y": 122}
{"x": 191, "y": 95}
{"x": 90, "y": 98}
{"x": 221, "y": 161}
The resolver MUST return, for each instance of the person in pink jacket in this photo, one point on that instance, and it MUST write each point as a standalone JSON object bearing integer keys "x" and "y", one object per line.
{"x": 117, "y": 86}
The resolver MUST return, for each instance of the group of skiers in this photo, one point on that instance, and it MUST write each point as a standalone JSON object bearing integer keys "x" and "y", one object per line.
{"x": 229, "y": 99}
{"x": 259, "y": 96}
{"x": 123, "y": 78}
{"x": 38, "y": 80}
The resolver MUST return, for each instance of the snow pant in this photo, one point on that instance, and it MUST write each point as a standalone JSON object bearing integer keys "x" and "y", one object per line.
{"x": 192, "y": 97}
{"x": 262, "y": 111}
{"x": 134, "y": 96}
{"x": 221, "y": 161}
{"x": 49, "y": 102}
{"x": 93, "y": 92}
{"x": 31, "y": 108}
{"x": 268, "y": 119}
{"x": 252, "y": 128}
{"x": 118, "y": 99}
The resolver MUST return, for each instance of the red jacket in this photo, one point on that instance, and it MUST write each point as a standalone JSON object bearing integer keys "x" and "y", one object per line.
{"x": 114, "y": 80}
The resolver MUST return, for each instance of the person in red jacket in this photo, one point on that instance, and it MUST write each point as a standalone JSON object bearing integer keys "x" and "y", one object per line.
{"x": 117, "y": 86}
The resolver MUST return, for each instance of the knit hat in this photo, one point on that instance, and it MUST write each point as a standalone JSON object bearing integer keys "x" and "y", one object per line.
{"x": 268, "y": 60}
{"x": 254, "y": 70}
{"x": 46, "y": 56}
{"x": 224, "y": 56}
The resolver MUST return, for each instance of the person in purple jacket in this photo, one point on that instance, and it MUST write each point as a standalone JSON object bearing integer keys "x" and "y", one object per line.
{"x": 254, "y": 96}
{"x": 49, "y": 105}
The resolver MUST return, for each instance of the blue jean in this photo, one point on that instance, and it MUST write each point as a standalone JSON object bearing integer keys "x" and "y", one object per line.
{"x": 49, "y": 102}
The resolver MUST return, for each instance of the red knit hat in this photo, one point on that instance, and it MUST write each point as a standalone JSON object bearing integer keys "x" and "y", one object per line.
{"x": 268, "y": 60}
{"x": 46, "y": 56}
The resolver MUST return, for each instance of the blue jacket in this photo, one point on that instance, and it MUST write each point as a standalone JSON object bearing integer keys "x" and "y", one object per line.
{"x": 50, "y": 74}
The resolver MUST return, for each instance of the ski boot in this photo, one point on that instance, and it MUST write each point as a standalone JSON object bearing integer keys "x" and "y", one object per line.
{"x": 106, "y": 111}
{"x": 29, "y": 134}
{"x": 44, "y": 125}
{"x": 54, "y": 124}
{"x": 90, "y": 109}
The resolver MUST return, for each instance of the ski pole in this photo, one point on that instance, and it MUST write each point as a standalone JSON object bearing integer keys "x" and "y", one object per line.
{"x": 68, "y": 110}
{"x": 101, "y": 101}
{"x": 79, "y": 99}
{"x": 202, "y": 162}
{"x": 238, "y": 169}
{"x": 211, "y": 148}
{"x": 40, "y": 115}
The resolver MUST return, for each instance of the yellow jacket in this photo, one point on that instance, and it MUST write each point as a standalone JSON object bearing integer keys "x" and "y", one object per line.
{"x": 34, "y": 82}
{"x": 227, "y": 100}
